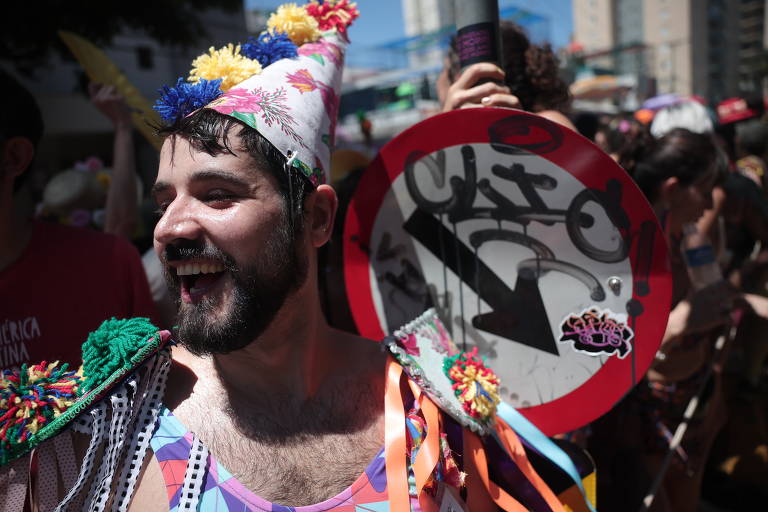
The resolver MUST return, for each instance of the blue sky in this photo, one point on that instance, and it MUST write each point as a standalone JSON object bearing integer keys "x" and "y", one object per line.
{"x": 559, "y": 12}
{"x": 381, "y": 20}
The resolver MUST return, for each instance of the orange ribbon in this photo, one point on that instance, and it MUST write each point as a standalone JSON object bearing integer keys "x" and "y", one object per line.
{"x": 394, "y": 440}
{"x": 482, "y": 493}
{"x": 429, "y": 452}
{"x": 515, "y": 448}
{"x": 428, "y": 455}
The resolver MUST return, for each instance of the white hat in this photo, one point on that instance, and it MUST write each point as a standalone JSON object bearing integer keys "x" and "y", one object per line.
{"x": 688, "y": 114}
{"x": 284, "y": 84}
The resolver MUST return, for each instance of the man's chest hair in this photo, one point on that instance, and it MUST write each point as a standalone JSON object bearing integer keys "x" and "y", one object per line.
{"x": 296, "y": 454}
{"x": 297, "y": 472}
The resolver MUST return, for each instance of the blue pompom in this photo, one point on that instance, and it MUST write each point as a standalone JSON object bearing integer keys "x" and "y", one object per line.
{"x": 269, "y": 47}
{"x": 183, "y": 98}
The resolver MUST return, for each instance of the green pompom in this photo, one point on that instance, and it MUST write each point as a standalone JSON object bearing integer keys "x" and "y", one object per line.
{"x": 449, "y": 361}
{"x": 113, "y": 346}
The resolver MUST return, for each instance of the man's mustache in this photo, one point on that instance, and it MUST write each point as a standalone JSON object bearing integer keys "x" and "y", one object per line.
{"x": 190, "y": 249}
{"x": 193, "y": 249}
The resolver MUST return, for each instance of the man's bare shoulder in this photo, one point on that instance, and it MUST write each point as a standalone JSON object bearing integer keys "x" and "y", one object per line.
{"x": 150, "y": 495}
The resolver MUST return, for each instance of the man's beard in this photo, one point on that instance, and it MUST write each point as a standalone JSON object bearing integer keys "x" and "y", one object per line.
{"x": 259, "y": 291}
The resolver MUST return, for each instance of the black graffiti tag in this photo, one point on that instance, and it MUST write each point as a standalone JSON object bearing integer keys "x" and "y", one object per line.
{"x": 427, "y": 225}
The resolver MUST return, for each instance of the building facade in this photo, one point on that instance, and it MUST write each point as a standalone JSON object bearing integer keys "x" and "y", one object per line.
{"x": 709, "y": 48}
{"x": 753, "y": 41}
{"x": 593, "y": 29}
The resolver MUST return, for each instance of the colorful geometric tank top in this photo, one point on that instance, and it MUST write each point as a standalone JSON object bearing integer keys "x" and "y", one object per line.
{"x": 222, "y": 492}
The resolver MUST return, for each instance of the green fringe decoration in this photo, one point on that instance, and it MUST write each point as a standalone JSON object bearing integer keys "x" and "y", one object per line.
{"x": 116, "y": 349}
{"x": 112, "y": 346}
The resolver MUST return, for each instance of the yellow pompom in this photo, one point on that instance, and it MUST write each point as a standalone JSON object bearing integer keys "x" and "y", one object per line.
{"x": 296, "y": 22}
{"x": 33, "y": 426}
{"x": 226, "y": 64}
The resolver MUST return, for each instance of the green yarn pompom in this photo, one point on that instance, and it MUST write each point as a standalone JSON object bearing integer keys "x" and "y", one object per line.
{"x": 113, "y": 346}
{"x": 449, "y": 361}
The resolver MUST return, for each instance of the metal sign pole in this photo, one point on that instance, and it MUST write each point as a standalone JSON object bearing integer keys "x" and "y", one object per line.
{"x": 478, "y": 38}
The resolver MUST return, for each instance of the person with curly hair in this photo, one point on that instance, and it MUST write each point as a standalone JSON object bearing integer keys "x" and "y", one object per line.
{"x": 529, "y": 80}
{"x": 677, "y": 173}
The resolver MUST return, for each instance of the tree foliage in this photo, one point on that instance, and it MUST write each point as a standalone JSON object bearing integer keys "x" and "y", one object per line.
{"x": 28, "y": 36}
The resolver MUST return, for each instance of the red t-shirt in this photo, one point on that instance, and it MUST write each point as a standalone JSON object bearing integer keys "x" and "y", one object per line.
{"x": 67, "y": 281}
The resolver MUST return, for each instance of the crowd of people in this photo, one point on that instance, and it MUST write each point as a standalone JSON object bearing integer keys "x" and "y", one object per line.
{"x": 700, "y": 169}
{"x": 699, "y": 172}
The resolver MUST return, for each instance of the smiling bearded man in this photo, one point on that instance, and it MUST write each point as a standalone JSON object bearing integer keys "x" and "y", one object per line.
{"x": 195, "y": 267}
{"x": 261, "y": 405}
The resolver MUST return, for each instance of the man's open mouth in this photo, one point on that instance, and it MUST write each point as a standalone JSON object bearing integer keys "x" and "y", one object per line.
{"x": 198, "y": 278}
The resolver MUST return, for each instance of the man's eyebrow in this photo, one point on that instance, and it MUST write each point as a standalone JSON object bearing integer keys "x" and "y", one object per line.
{"x": 159, "y": 187}
{"x": 204, "y": 175}
{"x": 219, "y": 175}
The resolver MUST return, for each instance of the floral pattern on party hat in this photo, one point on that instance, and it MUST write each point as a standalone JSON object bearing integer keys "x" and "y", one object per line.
{"x": 285, "y": 83}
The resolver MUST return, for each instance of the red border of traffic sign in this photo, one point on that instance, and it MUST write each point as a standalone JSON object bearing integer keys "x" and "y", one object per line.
{"x": 590, "y": 166}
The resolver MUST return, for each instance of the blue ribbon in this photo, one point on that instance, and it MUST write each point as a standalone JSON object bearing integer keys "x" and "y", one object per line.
{"x": 542, "y": 443}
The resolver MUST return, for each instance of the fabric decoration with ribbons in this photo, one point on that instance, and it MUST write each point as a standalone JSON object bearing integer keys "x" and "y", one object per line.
{"x": 544, "y": 445}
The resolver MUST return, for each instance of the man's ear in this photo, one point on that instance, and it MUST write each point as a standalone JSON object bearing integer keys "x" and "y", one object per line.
{"x": 18, "y": 153}
{"x": 320, "y": 212}
{"x": 668, "y": 191}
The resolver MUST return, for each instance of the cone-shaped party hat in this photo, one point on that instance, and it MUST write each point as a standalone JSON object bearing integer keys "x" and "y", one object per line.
{"x": 285, "y": 83}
